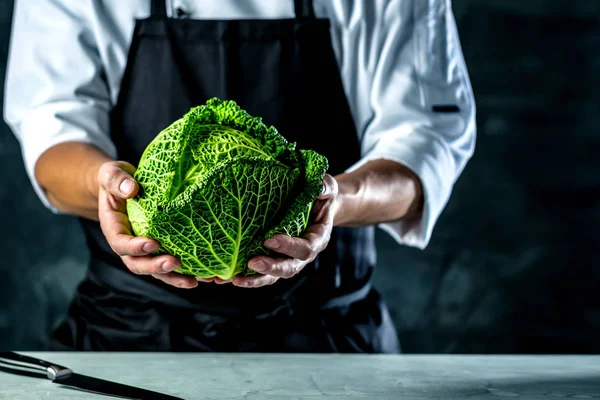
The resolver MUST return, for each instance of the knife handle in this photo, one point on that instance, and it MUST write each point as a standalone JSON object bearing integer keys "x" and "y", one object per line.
{"x": 53, "y": 371}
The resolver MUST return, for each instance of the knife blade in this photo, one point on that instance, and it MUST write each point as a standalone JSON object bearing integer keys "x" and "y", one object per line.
{"x": 65, "y": 376}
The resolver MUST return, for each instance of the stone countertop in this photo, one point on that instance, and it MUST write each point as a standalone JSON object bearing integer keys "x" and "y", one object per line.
{"x": 252, "y": 376}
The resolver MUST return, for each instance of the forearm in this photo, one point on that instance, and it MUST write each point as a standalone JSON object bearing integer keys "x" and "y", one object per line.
{"x": 68, "y": 173}
{"x": 379, "y": 191}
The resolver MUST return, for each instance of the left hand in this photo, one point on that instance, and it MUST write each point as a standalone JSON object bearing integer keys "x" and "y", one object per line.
{"x": 296, "y": 252}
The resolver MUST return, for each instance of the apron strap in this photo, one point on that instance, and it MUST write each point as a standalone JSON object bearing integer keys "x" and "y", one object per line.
{"x": 158, "y": 8}
{"x": 304, "y": 9}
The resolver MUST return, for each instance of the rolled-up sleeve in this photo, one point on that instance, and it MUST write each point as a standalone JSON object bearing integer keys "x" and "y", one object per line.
{"x": 55, "y": 88}
{"x": 410, "y": 93}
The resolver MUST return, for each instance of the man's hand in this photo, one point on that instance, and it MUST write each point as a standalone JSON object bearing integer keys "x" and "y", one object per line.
{"x": 296, "y": 252}
{"x": 117, "y": 185}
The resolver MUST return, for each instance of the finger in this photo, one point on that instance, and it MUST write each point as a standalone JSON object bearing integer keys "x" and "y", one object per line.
{"x": 330, "y": 187}
{"x": 317, "y": 234}
{"x": 220, "y": 281}
{"x": 116, "y": 178}
{"x": 117, "y": 229}
{"x": 322, "y": 211}
{"x": 302, "y": 248}
{"x": 314, "y": 239}
{"x": 277, "y": 267}
{"x": 254, "y": 281}
{"x": 127, "y": 245}
{"x": 151, "y": 265}
{"x": 206, "y": 280}
{"x": 178, "y": 280}
{"x": 127, "y": 167}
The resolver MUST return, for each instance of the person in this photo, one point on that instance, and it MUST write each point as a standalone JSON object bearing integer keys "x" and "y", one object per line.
{"x": 380, "y": 88}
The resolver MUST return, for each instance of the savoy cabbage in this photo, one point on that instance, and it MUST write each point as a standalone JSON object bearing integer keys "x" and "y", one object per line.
{"x": 218, "y": 182}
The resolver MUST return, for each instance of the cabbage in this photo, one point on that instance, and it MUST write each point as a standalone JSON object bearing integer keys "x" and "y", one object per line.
{"x": 218, "y": 182}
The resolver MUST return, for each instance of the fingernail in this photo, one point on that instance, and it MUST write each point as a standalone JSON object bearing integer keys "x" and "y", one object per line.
{"x": 150, "y": 247}
{"x": 259, "y": 266}
{"x": 126, "y": 186}
{"x": 272, "y": 243}
{"x": 168, "y": 267}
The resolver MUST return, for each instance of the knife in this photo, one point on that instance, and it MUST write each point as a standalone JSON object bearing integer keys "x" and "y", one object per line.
{"x": 65, "y": 376}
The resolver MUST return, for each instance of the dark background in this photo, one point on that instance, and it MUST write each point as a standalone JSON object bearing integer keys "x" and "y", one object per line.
{"x": 514, "y": 263}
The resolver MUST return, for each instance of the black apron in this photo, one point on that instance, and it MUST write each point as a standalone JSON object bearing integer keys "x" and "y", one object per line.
{"x": 284, "y": 71}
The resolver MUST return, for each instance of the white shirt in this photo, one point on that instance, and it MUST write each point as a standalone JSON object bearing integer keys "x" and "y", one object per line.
{"x": 397, "y": 58}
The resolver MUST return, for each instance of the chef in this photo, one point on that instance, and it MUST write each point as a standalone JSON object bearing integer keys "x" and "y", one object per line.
{"x": 378, "y": 87}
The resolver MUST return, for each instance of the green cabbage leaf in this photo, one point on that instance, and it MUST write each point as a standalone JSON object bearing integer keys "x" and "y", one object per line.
{"x": 218, "y": 182}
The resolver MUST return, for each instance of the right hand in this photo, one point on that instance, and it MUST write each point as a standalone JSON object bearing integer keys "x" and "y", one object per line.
{"x": 116, "y": 186}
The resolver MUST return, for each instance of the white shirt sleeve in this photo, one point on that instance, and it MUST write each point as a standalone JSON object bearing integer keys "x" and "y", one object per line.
{"x": 399, "y": 59}
{"x": 55, "y": 87}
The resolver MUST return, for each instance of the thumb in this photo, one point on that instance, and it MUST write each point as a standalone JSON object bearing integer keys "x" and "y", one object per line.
{"x": 330, "y": 187}
{"x": 116, "y": 178}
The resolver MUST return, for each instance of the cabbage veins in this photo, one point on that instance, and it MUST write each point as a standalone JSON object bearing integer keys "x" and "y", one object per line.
{"x": 216, "y": 183}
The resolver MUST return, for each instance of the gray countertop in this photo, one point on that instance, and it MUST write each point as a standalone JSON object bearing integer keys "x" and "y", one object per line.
{"x": 315, "y": 376}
